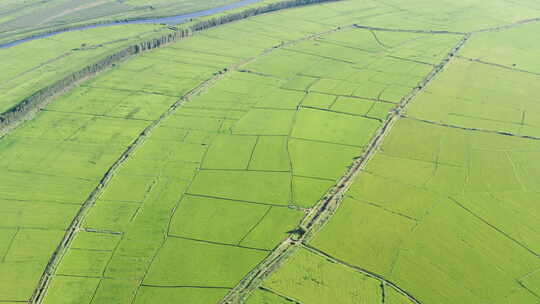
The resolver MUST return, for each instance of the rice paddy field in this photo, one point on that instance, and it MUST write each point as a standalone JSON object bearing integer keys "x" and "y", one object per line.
{"x": 342, "y": 152}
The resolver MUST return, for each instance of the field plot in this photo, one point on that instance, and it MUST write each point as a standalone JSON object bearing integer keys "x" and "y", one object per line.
{"x": 477, "y": 95}
{"x": 457, "y": 196}
{"x": 308, "y": 277}
{"x": 513, "y": 48}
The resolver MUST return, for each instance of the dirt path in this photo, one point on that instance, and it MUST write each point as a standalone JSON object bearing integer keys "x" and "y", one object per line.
{"x": 324, "y": 210}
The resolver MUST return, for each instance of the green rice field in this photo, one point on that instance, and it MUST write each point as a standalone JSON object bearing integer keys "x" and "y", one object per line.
{"x": 352, "y": 151}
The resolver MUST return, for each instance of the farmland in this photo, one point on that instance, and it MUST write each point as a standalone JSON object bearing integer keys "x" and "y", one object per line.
{"x": 451, "y": 199}
{"x": 345, "y": 152}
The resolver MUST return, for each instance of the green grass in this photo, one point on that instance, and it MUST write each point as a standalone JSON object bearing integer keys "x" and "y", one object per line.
{"x": 352, "y": 106}
{"x": 488, "y": 97}
{"x": 36, "y": 214}
{"x": 229, "y": 152}
{"x": 310, "y": 278}
{"x": 512, "y": 48}
{"x": 392, "y": 296}
{"x": 96, "y": 241}
{"x": 115, "y": 103}
{"x": 355, "y": 223}
{"x": 64, "y": 289}
{"x": 265, "y": 297}
{"x": 273, "y": 228}
{"x": 84, "y": 263}
{"x": 380, "y": 110}
{"x": 147, "y": 295}
{"x": 311, "y": 158}
{"x": 455, "y": 198}
{"x": 333, "y": 127}
{"x": 180, "y": 264}
{"x": 24, "y": 259}
{"x": 114, "y": 216}
{"x": 115, "y": 291}
{"x": 281, "y": 99}
{"x": 224, "y": 221}
{"x": 234, "y": 223}
{"x": 270, "y": 154}
{"x": 129, "y": 189}
{"x": 253, "y": 186}
{"x": 307, "y": 191}
{"x": 318, "y": 100}
{"x": 265, "y": 122}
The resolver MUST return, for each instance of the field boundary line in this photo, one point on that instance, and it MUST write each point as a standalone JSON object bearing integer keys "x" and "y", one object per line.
{"x": 184, "y": 286}
{"x": 377, "y": 39}
{"x": 442, "y": 124}
{"x": 507, "y": 26}
{"x": 499, "y": 230}
{"x": 254, "y": 226}
{"x": 497, "y": 65}
{"x": 243, "y": 201}
{"x": 411, "y": 60}
{"x": 321, "y": 213}
{"x": 75, "y": 226}
{"x": 266, "y": 289}
{"x": 382, "y": 29}
{"x": 215, "y": 243}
